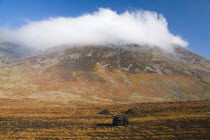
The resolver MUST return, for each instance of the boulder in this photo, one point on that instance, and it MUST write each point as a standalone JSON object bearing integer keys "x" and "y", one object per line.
{"x": 120, "y": 120}
{"x": 130, "y": 111}
{"x": 105, "y": 112}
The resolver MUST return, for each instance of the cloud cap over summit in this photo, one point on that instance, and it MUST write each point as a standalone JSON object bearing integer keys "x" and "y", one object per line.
{"x": 102, "y": 27}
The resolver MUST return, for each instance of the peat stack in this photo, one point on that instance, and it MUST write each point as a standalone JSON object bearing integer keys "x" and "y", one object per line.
{"x": 130, "y": 111}
{"x": 105, "y": 112}
{"x": 120, "y": 120}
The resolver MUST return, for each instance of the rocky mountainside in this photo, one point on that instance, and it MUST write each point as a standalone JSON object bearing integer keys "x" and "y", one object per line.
{"x": 131, "y": 74}
{"x": 10, "y": 51}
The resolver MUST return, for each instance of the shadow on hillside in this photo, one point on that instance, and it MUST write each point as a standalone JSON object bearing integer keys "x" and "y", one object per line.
{"x": 104, "y": 124}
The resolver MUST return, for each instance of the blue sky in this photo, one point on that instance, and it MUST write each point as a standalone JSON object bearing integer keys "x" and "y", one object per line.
{"x": 188, "y": 18}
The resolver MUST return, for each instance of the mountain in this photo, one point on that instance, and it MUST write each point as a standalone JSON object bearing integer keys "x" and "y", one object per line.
{"x": 107, "y": 74}
{"x": 10, "y": 51}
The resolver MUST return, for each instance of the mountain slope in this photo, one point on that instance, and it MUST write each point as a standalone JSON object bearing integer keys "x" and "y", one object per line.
{"x": 107, "y": 75}
{"x": 10, "y": 51}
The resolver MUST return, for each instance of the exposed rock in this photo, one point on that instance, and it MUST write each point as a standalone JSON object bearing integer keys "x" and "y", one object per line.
{"x": 120, "y": 120}
{"x": 130, "y": 111}
{"x": 105, "y": 112}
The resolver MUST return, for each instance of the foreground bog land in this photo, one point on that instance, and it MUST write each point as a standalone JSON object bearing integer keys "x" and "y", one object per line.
{"x": 183, "y": 120}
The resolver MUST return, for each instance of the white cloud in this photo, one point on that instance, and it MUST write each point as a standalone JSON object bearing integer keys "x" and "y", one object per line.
{"x": 99, "y": 28}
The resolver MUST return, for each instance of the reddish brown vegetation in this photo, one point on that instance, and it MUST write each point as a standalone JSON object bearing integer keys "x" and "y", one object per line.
{"x": 152, "y": 120}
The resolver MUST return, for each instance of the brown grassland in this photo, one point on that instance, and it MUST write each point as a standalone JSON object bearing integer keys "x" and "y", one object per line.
{"x": 180, "y": 120}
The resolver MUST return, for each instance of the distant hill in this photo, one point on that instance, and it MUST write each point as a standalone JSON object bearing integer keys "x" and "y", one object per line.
{"x": 9, "y": 51}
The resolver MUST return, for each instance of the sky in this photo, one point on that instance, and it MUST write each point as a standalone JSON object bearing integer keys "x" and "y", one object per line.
{"x": 188, "y": 19}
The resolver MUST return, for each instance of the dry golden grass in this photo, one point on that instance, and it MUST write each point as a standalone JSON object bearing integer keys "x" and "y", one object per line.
{"x": 185, "y": 120}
